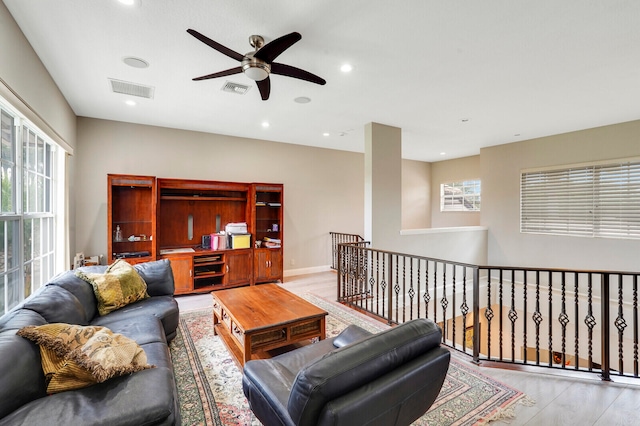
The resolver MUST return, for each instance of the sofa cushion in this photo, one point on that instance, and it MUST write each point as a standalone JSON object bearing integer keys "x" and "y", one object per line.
{"x": 74, "y": 356}
{"x": 56, "y": 304}
{"x": 163, "y": 307}
{"x": 118, "y": 286}
{"x": 145, "y": 398}
{"x": 20, "y": 372}
{"x": 81, "y": 289}
{"x": 158, "y": 275}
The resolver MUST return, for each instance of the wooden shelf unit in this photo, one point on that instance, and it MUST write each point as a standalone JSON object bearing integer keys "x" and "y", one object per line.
{"x": 132, "y": 203}
{"x": 177, "y": 213}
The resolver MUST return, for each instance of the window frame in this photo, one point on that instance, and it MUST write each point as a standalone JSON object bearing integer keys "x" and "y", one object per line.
{"x": 471, "y": 192}
{"x": 34, "y": 255}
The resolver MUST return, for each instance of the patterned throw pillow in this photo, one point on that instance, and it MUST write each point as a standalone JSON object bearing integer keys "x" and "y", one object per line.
{"x": 119, "y": 286}
{"x": 75, "y": 356}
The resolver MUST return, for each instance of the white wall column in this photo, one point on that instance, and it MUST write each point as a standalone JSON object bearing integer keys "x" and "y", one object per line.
{"x": 383, "y": 185}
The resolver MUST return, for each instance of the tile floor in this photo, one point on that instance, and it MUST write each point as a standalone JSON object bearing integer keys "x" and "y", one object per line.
{"x": 559, "y": 399}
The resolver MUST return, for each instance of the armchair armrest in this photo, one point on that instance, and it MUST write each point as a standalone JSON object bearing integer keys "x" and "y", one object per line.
{"x": 349, "y": 335}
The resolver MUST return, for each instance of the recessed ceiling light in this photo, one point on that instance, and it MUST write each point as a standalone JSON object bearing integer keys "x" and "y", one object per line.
{"x": 325, "y": 134}
{"x": 265, "y": 124}
{"x": 135, "y": 62}
{"x": 302, "y": 100}
{"x": 128, "y": 2}
{"x": 130, "y": 102}
{"x": 443, "y": 153}
{"x": 346, "y": 68}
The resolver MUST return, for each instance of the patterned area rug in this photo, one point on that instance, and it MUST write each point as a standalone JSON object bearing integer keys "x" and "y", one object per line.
{"x": 210, "y": 383}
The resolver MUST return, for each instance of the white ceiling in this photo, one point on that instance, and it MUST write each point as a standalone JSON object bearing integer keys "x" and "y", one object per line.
{"x": 516, "y": 69}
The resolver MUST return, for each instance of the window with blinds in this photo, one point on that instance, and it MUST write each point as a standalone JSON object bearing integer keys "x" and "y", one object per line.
{"x": 597, "y": 200}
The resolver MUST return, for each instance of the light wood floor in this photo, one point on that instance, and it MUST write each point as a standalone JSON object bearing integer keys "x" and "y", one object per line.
{"x": 559, "y": 399}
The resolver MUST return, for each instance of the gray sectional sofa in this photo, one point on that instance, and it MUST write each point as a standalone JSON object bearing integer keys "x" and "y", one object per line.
{"x": 147, "y": 397}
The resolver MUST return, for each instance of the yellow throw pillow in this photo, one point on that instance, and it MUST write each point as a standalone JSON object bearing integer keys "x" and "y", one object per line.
{"x": 75, "y": 356}
{"x": 119, "y": 286}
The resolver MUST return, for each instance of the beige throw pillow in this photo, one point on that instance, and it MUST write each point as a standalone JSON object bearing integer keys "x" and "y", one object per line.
{"x": 75, "y": 356}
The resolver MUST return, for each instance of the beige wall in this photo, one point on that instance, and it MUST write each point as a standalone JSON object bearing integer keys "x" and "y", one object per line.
{"x": 454, "y": 171}
{"x": 501, "y": 166}
{"x": 22, "y": 71}
{"x": 317, "y": 199}
{"x": 416, "y": 194}
{"x": 25, "y": 82}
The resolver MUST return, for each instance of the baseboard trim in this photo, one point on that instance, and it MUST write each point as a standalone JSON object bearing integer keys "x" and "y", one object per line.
{"x": 305, "y": 271}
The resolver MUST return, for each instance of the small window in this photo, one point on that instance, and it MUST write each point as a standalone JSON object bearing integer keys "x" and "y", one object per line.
{"x": 461, "y": 196}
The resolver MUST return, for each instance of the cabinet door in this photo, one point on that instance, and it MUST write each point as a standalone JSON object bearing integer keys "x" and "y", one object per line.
{"x": 275, "y": 265}
{"x": 182, "y": 274}
{"x": 261, "y": 264}
{"x": 268, "y": 265}
{"x": 239, "y": 267}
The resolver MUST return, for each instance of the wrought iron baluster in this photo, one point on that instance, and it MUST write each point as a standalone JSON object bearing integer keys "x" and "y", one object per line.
{"x": 435, "y": 293}
{"x": 524, "y": 315}
{"x": 513, "y": 316}
{"x": 550, "y": 316}
{"x": 453, "y": 308}
{"x": 635, "y": 325}
{"x": 411, "y": 292}
{"x": 500, "y": 309}
{"x": 590, "y": 320}
{"x": 444, "y": 302}
{"x": 620, "y": 324}
{"x": 488, "y": 313}
{"x": 427, "y": 296}
{"x": 563, "y": 318}
{"x": 537, "y": 317}
{"x": 577, "y": 320}
{"x": 464, "y": 309}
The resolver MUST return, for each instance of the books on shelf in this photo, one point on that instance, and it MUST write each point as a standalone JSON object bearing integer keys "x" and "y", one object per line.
{"x": 272, "y": 242}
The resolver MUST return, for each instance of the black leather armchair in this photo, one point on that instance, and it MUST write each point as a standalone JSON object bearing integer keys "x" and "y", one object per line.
{"x": 388, "y": 378}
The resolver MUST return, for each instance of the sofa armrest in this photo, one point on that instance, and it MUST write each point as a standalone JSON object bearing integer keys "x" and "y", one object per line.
{"x": 350, "y": 335}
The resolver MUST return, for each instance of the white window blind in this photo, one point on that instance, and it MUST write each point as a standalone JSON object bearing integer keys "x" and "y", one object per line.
{"x": 599, "y": 200}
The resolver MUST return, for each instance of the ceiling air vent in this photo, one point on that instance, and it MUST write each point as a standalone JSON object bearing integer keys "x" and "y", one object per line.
{"x": 232, "y": 87}
{"x": 133, "y": 89}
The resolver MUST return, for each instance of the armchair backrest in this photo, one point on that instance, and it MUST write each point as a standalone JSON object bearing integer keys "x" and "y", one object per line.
{"x": 353, "y": 366}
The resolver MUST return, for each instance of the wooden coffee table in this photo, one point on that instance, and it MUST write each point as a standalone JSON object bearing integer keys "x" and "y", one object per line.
{"x": 255, "y": 319}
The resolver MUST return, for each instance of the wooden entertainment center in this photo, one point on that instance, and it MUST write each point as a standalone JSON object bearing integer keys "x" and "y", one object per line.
{"x": 151, "y": 218}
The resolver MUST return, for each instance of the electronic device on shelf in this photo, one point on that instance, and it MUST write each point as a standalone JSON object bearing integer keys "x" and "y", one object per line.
{"x": 131, "y": 254}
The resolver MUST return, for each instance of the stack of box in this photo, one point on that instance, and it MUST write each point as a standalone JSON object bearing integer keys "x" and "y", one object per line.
{"x": 238, "y": 237}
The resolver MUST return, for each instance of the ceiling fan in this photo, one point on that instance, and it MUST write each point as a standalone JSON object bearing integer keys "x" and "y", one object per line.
{"x": 257, "y": 65}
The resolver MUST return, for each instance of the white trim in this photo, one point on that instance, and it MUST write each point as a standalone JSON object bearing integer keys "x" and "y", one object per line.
{"x": 306, "y": 271}
{"x": 23, "y": 108}
{"x": 421, "y": 231}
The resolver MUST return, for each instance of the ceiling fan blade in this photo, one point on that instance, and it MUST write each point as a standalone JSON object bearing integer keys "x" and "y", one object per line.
{"x": 289, "y": 71}
{"x": 220, "y": 48}
{"x": 274, "y": 48}
{"x": 231, "y": 71}
{"x": 265, "y": 88}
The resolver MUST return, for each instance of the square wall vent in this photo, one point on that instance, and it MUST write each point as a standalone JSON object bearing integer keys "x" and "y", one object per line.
{"x": 237, "y": 88}
{"x": 133, "y": 89}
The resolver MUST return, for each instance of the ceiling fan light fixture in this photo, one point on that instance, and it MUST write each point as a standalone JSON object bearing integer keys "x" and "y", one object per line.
{"x": 255, "y": 73}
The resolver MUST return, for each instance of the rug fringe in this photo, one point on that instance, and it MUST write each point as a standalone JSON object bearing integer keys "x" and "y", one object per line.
{"x": 506, "y": 414}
